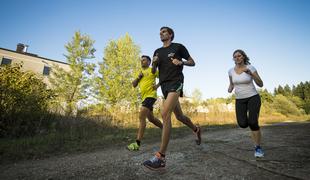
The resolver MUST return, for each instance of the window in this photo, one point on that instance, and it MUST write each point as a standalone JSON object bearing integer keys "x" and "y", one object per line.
{"x": 6, "y": 61}
{"x": 46, "y": 70}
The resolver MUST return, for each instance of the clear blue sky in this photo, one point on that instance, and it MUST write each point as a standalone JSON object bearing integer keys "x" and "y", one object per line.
{"x": 274, "y": 33}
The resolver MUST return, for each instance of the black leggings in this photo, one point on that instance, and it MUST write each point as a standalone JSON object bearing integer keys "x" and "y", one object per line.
{"x": 247, "y": 112}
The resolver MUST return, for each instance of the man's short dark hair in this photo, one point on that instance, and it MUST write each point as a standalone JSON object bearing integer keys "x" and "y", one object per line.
{"x": 170, "y": 31}
{"x": 147, "y": 57}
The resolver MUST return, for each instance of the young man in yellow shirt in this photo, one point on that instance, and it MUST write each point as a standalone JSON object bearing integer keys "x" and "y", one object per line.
{"x": 147, "y": 84}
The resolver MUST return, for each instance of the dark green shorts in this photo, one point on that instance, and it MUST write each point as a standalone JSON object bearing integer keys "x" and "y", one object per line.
{"x": 173, "y": 86}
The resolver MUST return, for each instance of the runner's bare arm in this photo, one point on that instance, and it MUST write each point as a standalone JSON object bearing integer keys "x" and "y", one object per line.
{"x": 154, "y": 63}
{"x": 189, "y": 62}
{"x": 137, "y": 80}
{"x": 231, "y": 85}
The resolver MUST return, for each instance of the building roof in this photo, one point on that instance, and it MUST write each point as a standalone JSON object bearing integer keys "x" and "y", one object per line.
{"x": 33, "y": 55}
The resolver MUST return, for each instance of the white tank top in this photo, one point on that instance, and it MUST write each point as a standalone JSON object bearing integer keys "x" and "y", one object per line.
{"x": 243, "y": 83}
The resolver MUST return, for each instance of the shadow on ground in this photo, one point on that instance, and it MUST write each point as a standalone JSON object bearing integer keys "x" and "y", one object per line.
{"x": 226, "y": 153}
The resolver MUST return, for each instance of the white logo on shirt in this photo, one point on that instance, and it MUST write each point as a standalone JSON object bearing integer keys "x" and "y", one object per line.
{"x": 171, "y": 55}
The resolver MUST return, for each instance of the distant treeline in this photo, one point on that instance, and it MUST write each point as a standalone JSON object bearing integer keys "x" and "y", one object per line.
{"x": 298, "y": 95}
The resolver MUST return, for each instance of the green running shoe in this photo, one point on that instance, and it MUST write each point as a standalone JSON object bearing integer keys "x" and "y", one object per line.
{"x": 133, "y": 147}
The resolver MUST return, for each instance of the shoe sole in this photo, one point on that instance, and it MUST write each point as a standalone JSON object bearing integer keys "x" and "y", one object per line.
{"x": 259, "y": 156}
{"x": 154, "y": 169}
{"x": 131, "y": 150}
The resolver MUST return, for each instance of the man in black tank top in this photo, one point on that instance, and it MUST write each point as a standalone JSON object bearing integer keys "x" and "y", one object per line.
{"x": 168, "y": 60}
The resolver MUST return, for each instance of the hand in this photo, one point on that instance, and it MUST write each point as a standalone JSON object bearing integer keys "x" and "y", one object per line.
{"x": 155, "y": 86}
{"x": 140, "y": 76}
{"x": 230, "y": 88}
{"x": 176, "y": 62}
{"x": 155, "y": 59}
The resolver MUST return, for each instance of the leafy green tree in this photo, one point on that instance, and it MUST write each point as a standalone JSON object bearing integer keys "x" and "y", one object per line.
{"x": 24, "y": 100}
{"x": 297, "y": 101}
{"x": 306, "y": 106}
{"x": 117, "y": 71}
{"x": 266, "y": 97}
{"x": 307, "y": 90}
{"x": 307, "y": 97}
{"x": 267, "y": 100}
{"x": 287, "y": 90}
{"x": 279, "y": 90}
{"x": 299, "y": 91}
{"x": 302, "y": 90}
{"x": 73, "y": 85}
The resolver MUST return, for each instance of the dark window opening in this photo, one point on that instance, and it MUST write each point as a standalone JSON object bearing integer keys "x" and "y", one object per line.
{"x": 46, "y": 70}
{"x": 6, "y": 61}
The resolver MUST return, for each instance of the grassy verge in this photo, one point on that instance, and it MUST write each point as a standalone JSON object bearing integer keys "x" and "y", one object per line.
{"x": 86, "y": 138}
{"x": 53, "y": 144}
{"x": 57, "y": 143}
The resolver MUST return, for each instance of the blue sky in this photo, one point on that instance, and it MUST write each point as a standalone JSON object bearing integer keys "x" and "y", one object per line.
{"x": 274, "y": 33}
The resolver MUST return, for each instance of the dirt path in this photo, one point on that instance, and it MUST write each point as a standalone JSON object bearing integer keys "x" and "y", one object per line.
{"x": 224, "y": 154}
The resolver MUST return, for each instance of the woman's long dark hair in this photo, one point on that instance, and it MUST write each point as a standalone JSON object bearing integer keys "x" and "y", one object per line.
{"x": 246, "y": 58}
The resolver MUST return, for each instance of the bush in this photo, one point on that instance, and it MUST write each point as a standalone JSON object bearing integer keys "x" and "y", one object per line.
{"x": 306, "y": 106}
{"x": 23, "y": 101}
{"x": 286, "y": 107}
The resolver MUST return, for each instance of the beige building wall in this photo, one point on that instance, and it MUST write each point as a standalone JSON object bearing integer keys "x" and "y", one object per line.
{"x": 32, "y": 62}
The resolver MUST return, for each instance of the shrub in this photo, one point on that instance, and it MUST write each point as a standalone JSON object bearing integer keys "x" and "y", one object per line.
{"x": 286, "y": 107}
{"x": 23, "y": 101}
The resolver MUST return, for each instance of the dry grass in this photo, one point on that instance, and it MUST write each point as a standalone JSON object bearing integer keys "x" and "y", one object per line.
{"x": 72, "y": 135}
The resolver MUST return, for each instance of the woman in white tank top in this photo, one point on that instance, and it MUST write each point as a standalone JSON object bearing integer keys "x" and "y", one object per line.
{"x": 248, "y": 101}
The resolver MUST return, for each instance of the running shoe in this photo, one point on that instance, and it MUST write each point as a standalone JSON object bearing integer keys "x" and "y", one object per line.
{"x": 133, "y": 147}
{"x": 258, "y": 152}
{"x": 155, "y": 163}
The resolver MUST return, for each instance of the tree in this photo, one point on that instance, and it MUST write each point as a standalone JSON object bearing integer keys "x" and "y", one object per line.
{"x": 197, "y": 97}
{"x": 117, "y": 71}
{"x": 297, "y": 101}
{"x": 287, "y": 90}
{"x": 279, "y": 90}
{"x": 265, "y": 96}
{"x": 302, "y": 90}
{"x": 71, "y": 86}
{"x": 286, "y": 107}
{"x": 299, "y": 91}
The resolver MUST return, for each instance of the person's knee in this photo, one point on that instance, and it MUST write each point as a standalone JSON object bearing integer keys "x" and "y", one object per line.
{"x": 179, "y": 117}
{"x": 243, "y": 124}
{"x": 165, "y": 115}
{"x": 254, "y": 126}
{"x": 151, "y": 119}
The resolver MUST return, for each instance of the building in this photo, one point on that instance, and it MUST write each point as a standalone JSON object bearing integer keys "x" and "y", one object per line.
{"x": 32, "y": 62}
